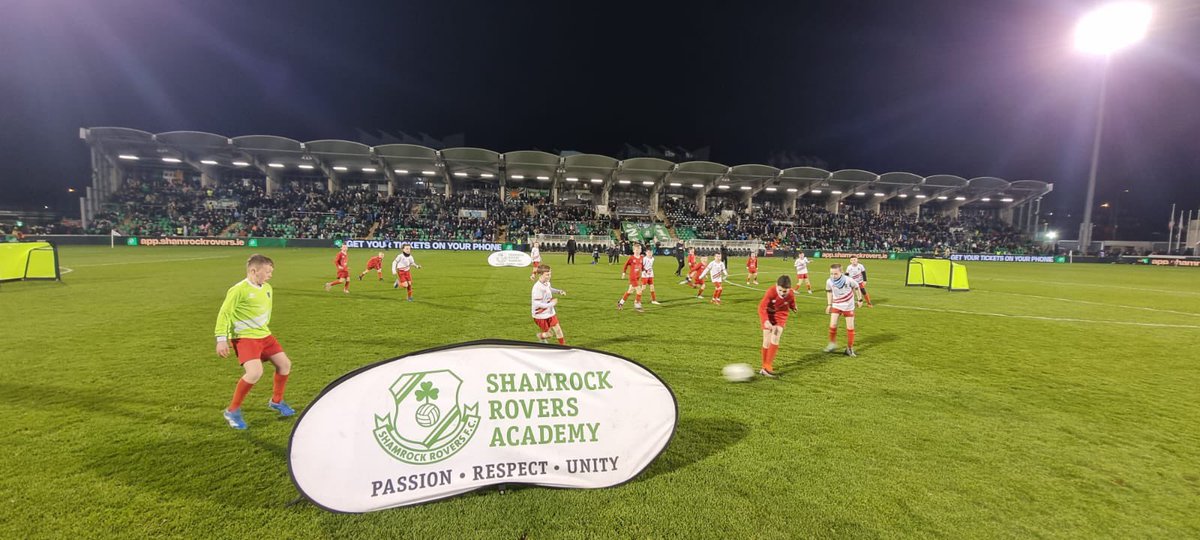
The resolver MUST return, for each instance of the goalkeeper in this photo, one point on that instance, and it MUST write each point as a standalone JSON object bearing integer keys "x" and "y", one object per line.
{"x": 242, "y": 327}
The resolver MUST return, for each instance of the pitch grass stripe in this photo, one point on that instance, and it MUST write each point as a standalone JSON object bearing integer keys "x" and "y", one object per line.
{"x": 1036, "y": 317}
{"x": 154, "y": 261}
{"x": 1057, "y": 319}
{"x": 1101, "y": 285}
{"x": 1190, "y": 314}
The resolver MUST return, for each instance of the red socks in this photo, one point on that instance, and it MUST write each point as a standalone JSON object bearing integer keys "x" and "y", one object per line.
{"x": 832, "y": 334}
{"x": 717, "y": 294}
{"x": 625, "y": 296}
{"x": 638, "y": 298}
{"x": 277, "y": 390}
{"x": 410, "y": 290}
{"x": 239, "y": 394}
{"x": 653, "y": 297}
{"x": 766, "y": 362}
{"x": 849, "y": 339}
{"x": 562, "y": 341}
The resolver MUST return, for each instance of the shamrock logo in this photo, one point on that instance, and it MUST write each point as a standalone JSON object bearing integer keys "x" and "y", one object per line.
{"x": 427, "y": 392}
{"x": 428, "y": 413}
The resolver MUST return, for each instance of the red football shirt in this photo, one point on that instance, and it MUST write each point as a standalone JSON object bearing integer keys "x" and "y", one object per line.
{"x": 341, "y": 260}
{"x": 774, "y": 307}
{"x": 752, "y": 264}
{"x": 633, "y": 266}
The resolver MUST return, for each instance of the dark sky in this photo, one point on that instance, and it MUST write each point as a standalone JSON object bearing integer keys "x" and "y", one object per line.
{"x": 971, "y": 88}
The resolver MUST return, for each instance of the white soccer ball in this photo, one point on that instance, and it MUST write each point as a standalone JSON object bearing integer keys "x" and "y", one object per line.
{"x": 737, "y": 372}
{"x": 427, "y": 415}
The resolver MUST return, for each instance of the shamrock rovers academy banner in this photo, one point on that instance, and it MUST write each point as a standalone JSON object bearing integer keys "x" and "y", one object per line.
{"x": 447, "y": 421}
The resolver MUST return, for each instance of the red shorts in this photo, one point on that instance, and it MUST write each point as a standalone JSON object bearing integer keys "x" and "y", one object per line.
{"x": 404, "y": 276}
{"x": 635, "y": 281}
{"x": 697, "y": 281}
{"x": 374, "y": 266}
{"x": 536, "y": 264}
{"x": 779, "y": 318}
{"x": 847, "y": 314}
{"x": 862, "y": 285}
{"x": 343, "y": 274}
{"x": 801, "y": 276}
{"x": 546, "y": 324}
{"x": 751, "y": 270}
{"x": 647, "y": 281}
{"x": 248, "y": 349}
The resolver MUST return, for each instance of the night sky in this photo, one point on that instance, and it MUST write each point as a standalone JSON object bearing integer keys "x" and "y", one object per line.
{"x": 971, "y": 88}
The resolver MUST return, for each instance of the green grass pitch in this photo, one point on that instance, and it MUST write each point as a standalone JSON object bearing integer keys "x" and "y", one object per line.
{"x": 1050, "y": 401}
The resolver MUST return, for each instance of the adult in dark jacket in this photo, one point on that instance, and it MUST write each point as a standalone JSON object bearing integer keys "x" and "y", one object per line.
{"x": 571, "y": 248}
{"x": 679, "y": 256}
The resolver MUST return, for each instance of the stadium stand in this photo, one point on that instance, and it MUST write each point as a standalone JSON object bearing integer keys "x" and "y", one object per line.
{"x": 266, "y": 186}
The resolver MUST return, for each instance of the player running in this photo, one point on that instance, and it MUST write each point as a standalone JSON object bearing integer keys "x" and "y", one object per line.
{"x": 374, "y": 263}
{"x": 841, "y": 295}
{"x": 648, "y": 275}
{"x": 858, "y": 273}
{"x": 402, "y": 267}
{"x": 543, "y": 303}
{"x": 633, "y": 267}
{"x": 802, "y": 272}
{"x": 773, "y": 311}
{"x": 752, "y": 268}
{"x": 341, "y": 261}
{"x": 691, "y": 263}
{"x": 535, "y": 254}
{"x": 243, "y": 320}
{"x": 717, "y": 271}
{"x": 694, "y": 272}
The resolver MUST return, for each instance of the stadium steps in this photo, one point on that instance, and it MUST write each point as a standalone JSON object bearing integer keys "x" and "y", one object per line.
{"x": 237, "y": 225}
{"x": 371, "y": 233}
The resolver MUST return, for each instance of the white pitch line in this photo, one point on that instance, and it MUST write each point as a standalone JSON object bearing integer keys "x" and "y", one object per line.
{"x": 1143, "y": 308}
{"x": 65, "y": 270}
{"x": 1036, "y": 317}
{"x": 153, "y": 261}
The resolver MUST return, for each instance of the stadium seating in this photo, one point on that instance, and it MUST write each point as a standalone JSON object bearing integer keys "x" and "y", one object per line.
{"x": 158, "y": 206}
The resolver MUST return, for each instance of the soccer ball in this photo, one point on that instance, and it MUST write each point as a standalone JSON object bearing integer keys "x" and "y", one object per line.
{"x": 427, "y": 415}
{"x": 737, "y": 372}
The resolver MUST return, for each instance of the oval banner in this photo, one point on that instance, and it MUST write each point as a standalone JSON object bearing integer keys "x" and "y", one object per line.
{"x": 510, "y": 258}
{"x": 446, "y": 421}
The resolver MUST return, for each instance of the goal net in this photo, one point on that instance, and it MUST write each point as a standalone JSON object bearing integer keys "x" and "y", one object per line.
{"x": 941, "y": 273}
{"x": 29, "y": 260}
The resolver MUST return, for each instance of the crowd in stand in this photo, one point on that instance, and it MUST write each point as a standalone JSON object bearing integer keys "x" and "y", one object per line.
{"x": 163, "y": 207}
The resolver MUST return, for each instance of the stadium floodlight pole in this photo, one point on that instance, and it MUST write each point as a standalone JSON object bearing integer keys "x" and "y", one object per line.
{"x": 1105, "y": 31}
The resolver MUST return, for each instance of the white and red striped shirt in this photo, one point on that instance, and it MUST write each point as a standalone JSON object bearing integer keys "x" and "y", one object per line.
{"x": 843, "y": 292}
{"x": 542, "y": 306}
{"x": 403, "y": 263}
{"x": 856, "y": 271}
{"x": 802, "y": 264}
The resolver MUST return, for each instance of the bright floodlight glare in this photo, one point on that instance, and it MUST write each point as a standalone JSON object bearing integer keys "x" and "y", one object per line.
{"x": 543, "y": 178}
{"x": 171, "y": 160}
{"x": 572, "y": 179}
{"x": 128, "y": 156}
{"x": 675, "y": 184}
{"x": 596, "y": 180}
{"x": 919, "y": 196}
{"x": 1112, "y": 27}
{"x": 647, "y": 183}
{"x": 517, "y": 176}
{"x": 986, "y": 199}
{"x": 241, "y": 164}
{"x": 878, "y": 194}
{"x": 428, "y": 173}
{"x": 792, "y": 190}
{"x": 368, "y": 169}
{"x": 723, "y": 186}
{"x": 942, "y": 197}
{"x": 275, "y": 165}
{"x": 697, "y": 186}
{"x": 400, "y": 171}
{"x": 305, "y": 167}
{"x": 487, "y": 175}
{"x": 960, "y": 198}
{"x": 903, "y": 195}
{"x": 1006, "y": 199}
{"x": 770, "y": 189}
{"x": 745, "y": 188}
{"x": 816, "y": 191}
{"x": 1052, "y": 234}
{"x": 340, "y": 168}
{"x": 460, "y": 174}
{"x": 859, "y": 193}
{"x": 207, "y": 162}
{"x": 836, "y": 192}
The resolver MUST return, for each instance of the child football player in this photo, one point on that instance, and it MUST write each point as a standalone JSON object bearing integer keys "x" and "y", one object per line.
{"x": 715, "y": 270}
{"x": 535, "y": 254}
{"x": 858, "y": 273}
{"x": 402, "y": 267}
{"x": 374, "y": 263}
{"x": 752, "y": 268}
{"x": 802, "y": 272}
{"x": 341, "y": 262}
{"x": 633, "y": 267}
{"x": 648, "y": 275}
{"x": 543, "y": 302}
{"x": 841, "y": 296}
{"x": 773, "y": 311}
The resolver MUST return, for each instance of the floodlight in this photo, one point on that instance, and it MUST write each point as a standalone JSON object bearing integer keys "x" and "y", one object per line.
{"x": 400, "y": 171}
{"x": 208, "y": 162}
{"x": 1112, "y": 27}
{"x": 241, "y": 164}
{"x": 460, "y": 174}
{"x": 128, "y": 156}
{"x": 697, "y": 186}
{"x": 171, "y": 160}
{"x": 275, "y": 165}
{"x": 340, "y": 168}
{"x": 305, "y": 167}
{"x": 368, "y": 169}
